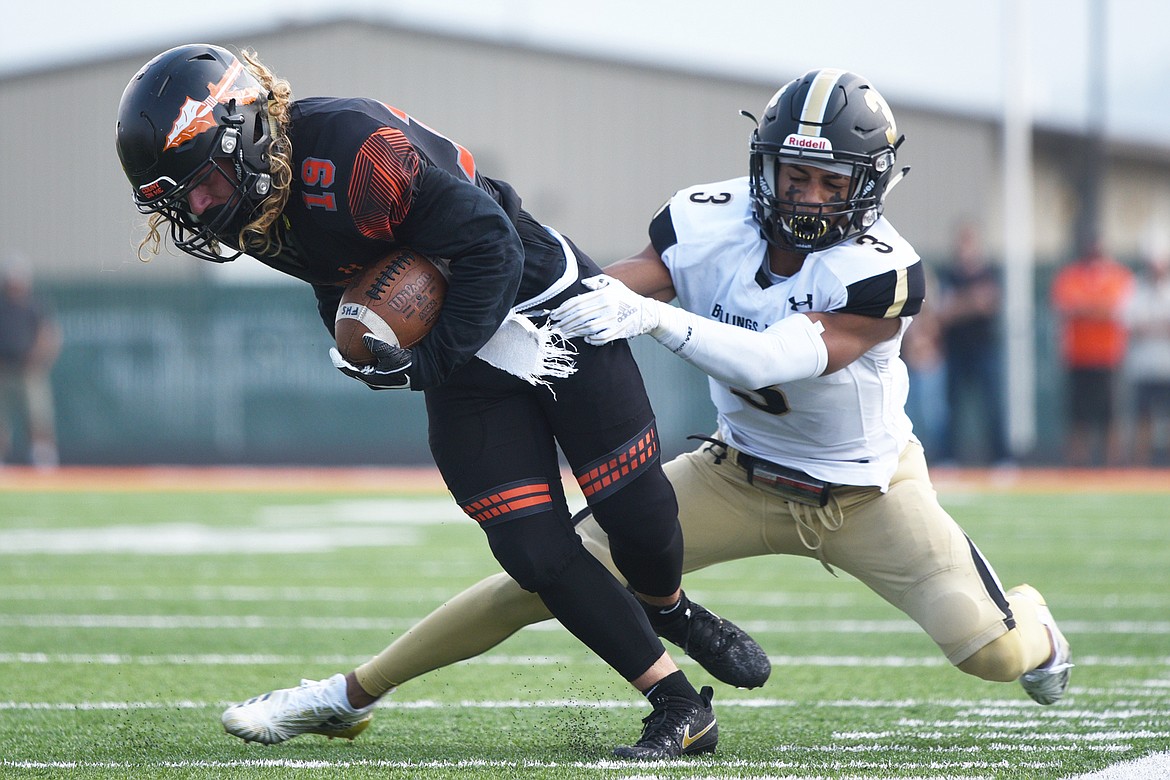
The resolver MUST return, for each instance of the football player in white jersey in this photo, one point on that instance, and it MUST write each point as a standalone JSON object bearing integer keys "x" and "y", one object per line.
{"x": 794, "y": 293}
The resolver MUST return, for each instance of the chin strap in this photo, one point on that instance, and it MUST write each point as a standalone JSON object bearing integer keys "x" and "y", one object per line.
{"x": 896, "y": 179}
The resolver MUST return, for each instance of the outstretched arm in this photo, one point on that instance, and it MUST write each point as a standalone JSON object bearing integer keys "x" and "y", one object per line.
{"x": 645, "y": 274}
{"x": 797, "y": 347}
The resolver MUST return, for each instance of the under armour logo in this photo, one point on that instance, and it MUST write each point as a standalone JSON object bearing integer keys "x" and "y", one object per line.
{"x": 796, "y": 305}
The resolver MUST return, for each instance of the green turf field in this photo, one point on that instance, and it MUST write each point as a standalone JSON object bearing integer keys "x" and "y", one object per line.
{"x": 130, "y": 618}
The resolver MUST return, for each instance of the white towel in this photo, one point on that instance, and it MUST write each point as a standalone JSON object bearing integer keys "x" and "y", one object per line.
{"x": 536, "y": 355}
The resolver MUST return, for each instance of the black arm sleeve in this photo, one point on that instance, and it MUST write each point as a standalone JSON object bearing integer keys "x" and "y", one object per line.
{"x": 454, "y": 219}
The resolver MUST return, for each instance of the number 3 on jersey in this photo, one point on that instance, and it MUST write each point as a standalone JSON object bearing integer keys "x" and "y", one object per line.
{"x": 718, "y": 198}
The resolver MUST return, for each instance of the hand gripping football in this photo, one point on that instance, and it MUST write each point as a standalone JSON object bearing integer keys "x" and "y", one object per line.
{"x": 397, "y": 299}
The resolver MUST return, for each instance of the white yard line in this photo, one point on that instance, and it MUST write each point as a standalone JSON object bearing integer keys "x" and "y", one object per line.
{"x": 263, "y": 622}
{"x": 1154, "y": 767}
{"x": 1011, "y": 732}
{"x": 512, "y": 768}
{"x": 946, "y": 763}
{"x": 272, "y": 659}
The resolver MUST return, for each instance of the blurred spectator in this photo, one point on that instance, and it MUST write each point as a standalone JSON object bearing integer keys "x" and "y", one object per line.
{"x": 1090, "y": 295}
{"x": 29, "y": 345}
{"x": 1147, "y": 366}
{"x": 969, "y": 315}
{"x": 922, "y": 352}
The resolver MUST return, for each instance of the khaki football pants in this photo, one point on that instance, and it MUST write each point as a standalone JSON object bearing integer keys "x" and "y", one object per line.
{"x": 901, "y": 544}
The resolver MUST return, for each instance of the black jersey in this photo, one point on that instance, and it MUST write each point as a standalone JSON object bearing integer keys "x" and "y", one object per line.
{"x": 367, "y": 177}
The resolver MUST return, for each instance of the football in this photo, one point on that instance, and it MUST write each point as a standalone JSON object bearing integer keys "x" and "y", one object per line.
{"x": 396, "y": 298}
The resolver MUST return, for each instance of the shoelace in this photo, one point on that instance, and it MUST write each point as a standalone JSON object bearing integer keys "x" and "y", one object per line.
{"x": 666, "y": 718}
{"x": 713, "y": 633}
{"x": 314, "y": 700}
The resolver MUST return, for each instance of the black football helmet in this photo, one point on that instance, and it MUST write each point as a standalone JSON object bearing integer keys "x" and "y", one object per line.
{"x": 193, "y": 112}
{"x": 831, "y": 119}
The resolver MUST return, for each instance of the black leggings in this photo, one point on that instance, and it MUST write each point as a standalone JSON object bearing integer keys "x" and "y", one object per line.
{"x": 494, "y": 438}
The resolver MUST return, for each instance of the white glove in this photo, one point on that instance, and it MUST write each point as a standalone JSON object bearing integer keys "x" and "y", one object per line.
{"x": 610, "y": 312}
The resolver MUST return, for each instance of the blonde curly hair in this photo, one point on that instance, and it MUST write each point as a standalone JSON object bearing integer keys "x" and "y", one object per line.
{"x": 260, "y": 235}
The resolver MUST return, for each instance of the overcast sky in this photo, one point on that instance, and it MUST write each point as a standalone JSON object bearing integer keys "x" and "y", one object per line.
{"x": 948, "y": 54}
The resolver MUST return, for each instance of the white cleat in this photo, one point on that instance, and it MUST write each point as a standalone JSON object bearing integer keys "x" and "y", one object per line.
{"x": 1046, "y": 684}
{"x": 316, "y": 707}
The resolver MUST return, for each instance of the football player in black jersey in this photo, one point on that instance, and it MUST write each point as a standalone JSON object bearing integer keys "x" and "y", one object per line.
{"x": 224, "y": 159}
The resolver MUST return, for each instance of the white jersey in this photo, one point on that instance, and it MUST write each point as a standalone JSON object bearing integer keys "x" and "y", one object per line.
{"x": 847, "y": 427}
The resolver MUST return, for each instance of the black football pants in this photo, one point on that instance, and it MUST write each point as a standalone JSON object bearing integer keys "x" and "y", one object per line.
{"x": 494, "y": 438}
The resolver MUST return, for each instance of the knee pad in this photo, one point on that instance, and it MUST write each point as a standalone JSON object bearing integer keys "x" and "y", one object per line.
{"x": 1001, "y": 660}
{"x": 645, "y": 539}
{"x": 629, "y": 494}
{"x": 578, "y": 590}
{"x": 534, "y": 551}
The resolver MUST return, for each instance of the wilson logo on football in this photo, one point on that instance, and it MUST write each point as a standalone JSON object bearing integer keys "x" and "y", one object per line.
{"x": 196, "y": 117}
{"x": 413, "y": 293}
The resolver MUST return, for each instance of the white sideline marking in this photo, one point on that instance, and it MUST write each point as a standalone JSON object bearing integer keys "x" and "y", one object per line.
{"x": 1016, "y": 741}
{"x": 140, "y": 594}
{"x": 728, "y": 598}
{"x": 204, "y": 622}
{"x": 253, "y": 659}
{"x": 394, "y": 703}
{"x": 907, "y": 626}
{"x": 372, "y": 511}
{"x": 1011, "y": 736}
{"x": 789, "y": 627}
{"x": 259, "y": 659}
{"x": 320, "y": 527}
{"x": 260, "y": 593}
{"x": 938, "y": 749}
{"x": 514, "y": 766}
{"x": 198, "y": 539}
{"x": 1152, "y": 767}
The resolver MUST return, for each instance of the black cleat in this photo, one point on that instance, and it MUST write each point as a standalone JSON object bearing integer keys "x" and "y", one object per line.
{"x": 676, "y": 727}
{"x": 721, "y": 647}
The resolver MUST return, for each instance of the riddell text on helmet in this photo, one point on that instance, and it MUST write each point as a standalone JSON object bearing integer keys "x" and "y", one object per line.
{"x": 808, "y": 142}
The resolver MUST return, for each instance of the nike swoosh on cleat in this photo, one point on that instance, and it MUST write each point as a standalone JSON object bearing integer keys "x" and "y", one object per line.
{"x": 688, "y": 740}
